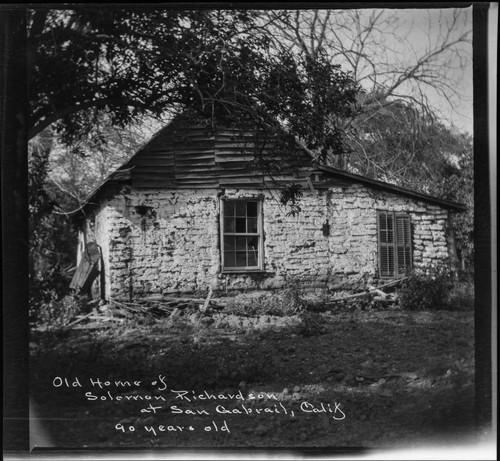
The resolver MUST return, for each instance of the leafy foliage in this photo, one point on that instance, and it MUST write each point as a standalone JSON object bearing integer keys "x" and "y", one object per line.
{"x": 461, "y": 296}
{"x": 458, "y": 184}
{"x": 130, "y": 62}
{"x": 75, "y": 171}
{"x": 426, "y": 290}
{"x": 51, "y": 250}
{"x": 56, "y": 313}
{"x": 290, "y": 196}
{"x": 400, "y": 145}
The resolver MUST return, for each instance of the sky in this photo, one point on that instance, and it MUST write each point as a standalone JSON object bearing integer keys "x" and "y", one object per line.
{"x": 401, "y": 37}
{"x": 420, "y": 22}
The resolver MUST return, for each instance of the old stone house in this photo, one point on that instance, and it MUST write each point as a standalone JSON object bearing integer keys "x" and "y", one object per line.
{"x": 190, "y": 212}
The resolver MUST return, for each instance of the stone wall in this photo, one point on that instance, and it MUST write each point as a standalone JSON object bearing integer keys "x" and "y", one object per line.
{"x": 167, "y": 241}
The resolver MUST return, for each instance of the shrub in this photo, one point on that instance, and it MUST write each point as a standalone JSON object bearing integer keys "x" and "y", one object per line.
{"x": 57, "y": 313}
{"x": 461, "y": 297}
{"x": 426, "y": 291}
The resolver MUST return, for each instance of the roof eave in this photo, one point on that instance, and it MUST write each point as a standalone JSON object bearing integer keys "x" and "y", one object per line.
{"x": 449, "y": 205}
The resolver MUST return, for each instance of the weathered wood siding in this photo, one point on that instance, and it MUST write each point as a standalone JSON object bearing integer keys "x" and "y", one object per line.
{"x": 183, "y": 157}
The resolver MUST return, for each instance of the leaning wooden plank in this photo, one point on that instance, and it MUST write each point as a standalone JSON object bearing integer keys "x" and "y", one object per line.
{"x": 207, "y": 301}
{"x": 87, "y": 270}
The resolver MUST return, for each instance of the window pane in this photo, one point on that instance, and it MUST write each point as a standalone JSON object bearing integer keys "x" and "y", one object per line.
{"x": 241, "y": 208}
{"x": 253, "y": 258}
{"x": 253, "y": 243}
{"x": 252, "y": 225}
{"x": 252, "y": 209}
{"x": 241, "y": 258}
{"x": 229, "y": 260}
{"x": 229, "y": 244}
{"x": 241, "y": 243}
{"x": 229, "y": 224}
{"x": 228, "y": 207}
{"x": 241, "y": 225}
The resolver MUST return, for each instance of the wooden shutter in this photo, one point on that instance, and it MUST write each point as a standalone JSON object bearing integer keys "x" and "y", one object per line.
{"x": 386, "y": 244}
{"x": 394, "y": 242}
{"x": 403, "y": 243}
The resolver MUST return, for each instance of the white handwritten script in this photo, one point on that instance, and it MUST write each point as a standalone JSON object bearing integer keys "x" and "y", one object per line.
{"x": 156, "y": 397}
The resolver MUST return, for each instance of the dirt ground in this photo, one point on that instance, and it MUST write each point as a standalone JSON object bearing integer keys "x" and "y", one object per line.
{"x": 373, "y": 379}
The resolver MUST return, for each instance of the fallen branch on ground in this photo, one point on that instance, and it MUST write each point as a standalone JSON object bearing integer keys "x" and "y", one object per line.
{"x": 374, "y": 294}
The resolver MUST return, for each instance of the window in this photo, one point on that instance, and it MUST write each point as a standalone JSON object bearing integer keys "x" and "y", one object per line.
{"x": 241, "y": 235}
{"x": 394, "y": 243}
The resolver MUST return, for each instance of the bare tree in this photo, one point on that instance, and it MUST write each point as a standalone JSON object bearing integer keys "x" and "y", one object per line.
{"x": 418, "y": 57}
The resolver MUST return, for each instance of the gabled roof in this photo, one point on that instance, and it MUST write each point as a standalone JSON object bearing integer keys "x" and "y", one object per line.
{"x": 188, "y": 155}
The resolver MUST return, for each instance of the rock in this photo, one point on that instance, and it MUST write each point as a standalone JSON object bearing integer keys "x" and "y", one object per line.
{"x": 296, "y": 389}
{"x": 303, "y": 437}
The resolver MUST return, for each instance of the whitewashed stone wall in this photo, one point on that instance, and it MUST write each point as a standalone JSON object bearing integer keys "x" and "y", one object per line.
{"x": 167, "y": 241}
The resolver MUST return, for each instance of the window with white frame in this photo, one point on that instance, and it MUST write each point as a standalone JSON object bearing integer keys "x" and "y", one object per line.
{"x": 394, "y": 244}
{"x": 241, "y": 235}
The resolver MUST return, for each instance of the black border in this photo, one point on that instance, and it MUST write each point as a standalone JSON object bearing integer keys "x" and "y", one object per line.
{"x": 14, "y": 231}
{"x": 482, "y": 221}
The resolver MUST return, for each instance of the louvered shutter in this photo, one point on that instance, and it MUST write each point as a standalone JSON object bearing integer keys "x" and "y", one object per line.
{"x": 386, "y": 244}
{"x": 394, "y": 239}
{"x": 403, "y": 243}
